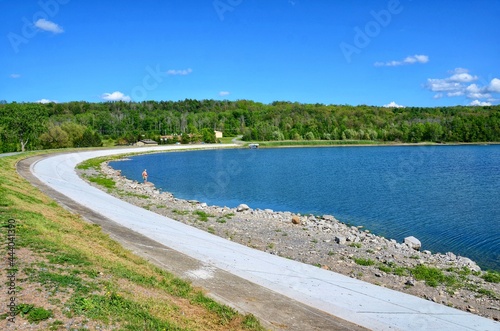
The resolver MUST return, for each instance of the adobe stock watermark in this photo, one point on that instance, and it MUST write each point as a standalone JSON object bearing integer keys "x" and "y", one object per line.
{"x": 11, "y": 270}
{"x": 153, "y": 78}
{"x": 48, "y": 9}
{"x": 150, "y": 81}
{"x": 407, "y": 165}
{"x": 227, "y": 171}
{"x": 221, "y": 179}
{"x": 372, "y": 29}
{"x": 223, "y": 6}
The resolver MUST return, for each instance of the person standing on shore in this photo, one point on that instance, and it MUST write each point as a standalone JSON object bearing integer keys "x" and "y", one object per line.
{"x": 145, "y": 175}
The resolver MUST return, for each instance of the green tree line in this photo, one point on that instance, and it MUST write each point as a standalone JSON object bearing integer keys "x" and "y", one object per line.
{"x": 79, "y": 124}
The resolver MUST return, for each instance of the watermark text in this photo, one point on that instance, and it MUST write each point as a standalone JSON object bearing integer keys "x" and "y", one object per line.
{"x": 364, "y": 35}
{"x": 48, "y": 9}
{"x": 11, "y": 269}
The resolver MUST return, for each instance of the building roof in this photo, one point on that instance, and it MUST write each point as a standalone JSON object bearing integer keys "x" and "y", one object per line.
{"x": 148, "y": 142}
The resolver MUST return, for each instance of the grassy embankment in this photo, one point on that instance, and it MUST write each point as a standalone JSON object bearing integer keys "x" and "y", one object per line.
{"x": 70, "y": 275}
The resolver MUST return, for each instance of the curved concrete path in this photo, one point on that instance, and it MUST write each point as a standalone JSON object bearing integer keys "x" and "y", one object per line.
{"x": 312, "y": 298}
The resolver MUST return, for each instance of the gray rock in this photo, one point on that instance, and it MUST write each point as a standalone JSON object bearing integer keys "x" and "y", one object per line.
{"x": 340, "y": 240}
{"x": 242, "y": 207}
{"x": 450, "y": 256}
{"x": 468, "y": 263}
{"x": 413, "y": 242}
{"x": 410, "y": 282}
{"x": 312, "y": 218}
{"x": 329, "y": 218}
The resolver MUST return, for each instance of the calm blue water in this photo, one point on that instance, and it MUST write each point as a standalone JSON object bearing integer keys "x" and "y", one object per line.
{"x": 447, "y": 196}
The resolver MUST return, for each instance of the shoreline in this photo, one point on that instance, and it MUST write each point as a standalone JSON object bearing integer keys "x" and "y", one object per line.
{"x": 263, "y": 144}
{"x": 324, "y": 242}
{"x": 392, "y": 179}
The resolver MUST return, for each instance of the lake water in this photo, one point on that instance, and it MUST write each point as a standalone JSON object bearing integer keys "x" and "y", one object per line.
{"x": 446, "y": 196}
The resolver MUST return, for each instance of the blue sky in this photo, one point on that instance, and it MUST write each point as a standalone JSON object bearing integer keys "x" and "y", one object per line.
{"x": 390, "y": 52}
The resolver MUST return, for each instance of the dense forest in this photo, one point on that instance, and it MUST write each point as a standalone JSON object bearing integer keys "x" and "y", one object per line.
{"x": 28, "y": 126}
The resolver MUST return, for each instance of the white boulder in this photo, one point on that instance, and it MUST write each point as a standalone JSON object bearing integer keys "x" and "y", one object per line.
{"x": 413, "y": 242}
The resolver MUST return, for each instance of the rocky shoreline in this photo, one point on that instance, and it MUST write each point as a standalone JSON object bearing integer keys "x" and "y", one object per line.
{"x": 323, "y": 241}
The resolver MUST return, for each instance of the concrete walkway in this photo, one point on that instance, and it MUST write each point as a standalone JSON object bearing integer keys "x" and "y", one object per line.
{"x": 9, "y": 154}
{"x": 355, "y": 301}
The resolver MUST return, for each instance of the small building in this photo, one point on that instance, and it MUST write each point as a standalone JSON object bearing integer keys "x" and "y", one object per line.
{"x": 170, "y": 137}
{"x": 218, "y": 134}
{"x": 146, "y": 142}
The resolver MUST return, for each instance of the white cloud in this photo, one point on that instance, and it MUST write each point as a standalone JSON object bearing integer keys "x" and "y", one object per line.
{"x": 45, "y": 101}
{"x": 393, "y": 105}
{"x": 478, "y": 95}
{"x": 224, "y": 93}
{"x": 442, "y": 85}
{"x": 475, "y": 92}
{"x": 494, "y": 85}
{"x": 182, "y": 72}
{"x": 45, "y": 25}
{"x": 115, "y": 96}
{"x": 479, "y": 103}
{"x": 408, "y": 60}
{"x": 388, "y": 64}
{"x": 473, "y": 88}
{"x": 416, "y": 59}
{"x": 455, "y": 94}
{"x": 461, "y": 75}
{"x": 458, "y": 71}
{"x": 15, "y": 76}
{"x": 463, "y": 78}
{"x": 456, "y": 85}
